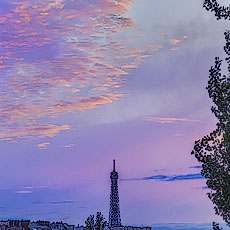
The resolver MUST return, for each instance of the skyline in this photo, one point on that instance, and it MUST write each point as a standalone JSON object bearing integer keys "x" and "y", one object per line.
{"x": 85, "y": 82}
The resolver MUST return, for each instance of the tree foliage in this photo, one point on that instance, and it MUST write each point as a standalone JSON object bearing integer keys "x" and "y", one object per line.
{"x": 98, "y": 224}
{"x": 220, "y": 11}
{"x": 89, "y": 223}
{"x": 213, "y": 150}
{"x": 216, "y": 226}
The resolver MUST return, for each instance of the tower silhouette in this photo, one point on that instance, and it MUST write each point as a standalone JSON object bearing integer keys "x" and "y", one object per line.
{"x": 114, "y": 210}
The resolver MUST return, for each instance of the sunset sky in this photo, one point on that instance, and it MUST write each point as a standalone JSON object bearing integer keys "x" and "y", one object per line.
{"x": 84, "y": 82}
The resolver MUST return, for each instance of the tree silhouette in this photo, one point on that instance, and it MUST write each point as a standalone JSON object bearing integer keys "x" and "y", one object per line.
{"x": 220, "y": 11}
{"x": 216, "y": 226}
{"x": 89, "y": 223}
{"x": 98, "y": 224}
{"x": 213, "y": 150}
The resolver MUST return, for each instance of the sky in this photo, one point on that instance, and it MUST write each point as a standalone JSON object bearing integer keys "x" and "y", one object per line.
{"x": 83, "y": 82}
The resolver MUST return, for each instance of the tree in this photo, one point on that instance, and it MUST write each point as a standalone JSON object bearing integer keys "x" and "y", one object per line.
{"x": 216, "y": 226}
{"x": 220, "y": 11}
{"x": 98, "y": 224}
{"x": 213, "y": 150}
{"x": 90, "y": 223}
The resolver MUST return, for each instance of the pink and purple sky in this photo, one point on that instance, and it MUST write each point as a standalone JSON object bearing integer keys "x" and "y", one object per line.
{"x": 84, "y": 82}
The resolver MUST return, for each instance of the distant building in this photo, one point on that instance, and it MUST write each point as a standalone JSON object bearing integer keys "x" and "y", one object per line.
{"x": 36, "y": 226}
{"x": 43, "y": 222}
{"x": 15, "y": 225}
{"x": 130, "y": 228}
{"x": 79, "y": 227}
{"x": 40, "y": 225}
{"x": 58, "y": 226}
{"x": 72, "y": 227}
{"x": 46, "y": 225}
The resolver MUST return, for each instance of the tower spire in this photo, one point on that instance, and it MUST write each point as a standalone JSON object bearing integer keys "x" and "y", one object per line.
{"x": 114, "y": 165}
{"x": 114, "y": 210}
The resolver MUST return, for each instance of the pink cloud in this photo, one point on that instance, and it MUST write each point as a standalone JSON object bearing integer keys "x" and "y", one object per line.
{"x": 43, "y": 145}
{"x": 174, "y": 41}
{"x": 61, "y": 48}
{"x": 68, "y": 145}
{"x": 167, "y": 120}
{"x": 41, "y": 131}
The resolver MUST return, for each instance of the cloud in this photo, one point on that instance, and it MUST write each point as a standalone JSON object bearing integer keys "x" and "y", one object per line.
{"x": 174, "y": 41}
{"x": 186, "y": 177}
{"x": 174, "y": 48}
{"x": 43, "y": 145}
{"x": 24, "y": 192}
{"x": 41, "y": 131}
{"x": 37, "y": 202}
{"x": 62, "y": 202}
{"x": 168, "y": 120}
{"x": 203, "y": 187}
{"x": 84, "y": 104}
{"x": 68, "y": 145}
{"x": 182, "y": 177}
{"x": 196, "y": 167}
{"x": 157, "y": 170}
{"x": 61, "y": 57}
{"x": 43, "y": 187}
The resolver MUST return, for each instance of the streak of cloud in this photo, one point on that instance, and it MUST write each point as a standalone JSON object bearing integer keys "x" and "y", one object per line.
{"x": 62, "y": 202}
{"x": 196, "y": 167}
{"x": 43, "y": 145}
{"x": 32, "y": 131}
{"x": 168, "y": 120}
{"x": 182, "y": 177}
{"x": 37, "y": 202}
{"x": 68, "y": 146}
{"x": 24, "y": 192}
{"x": 174, "y": 41}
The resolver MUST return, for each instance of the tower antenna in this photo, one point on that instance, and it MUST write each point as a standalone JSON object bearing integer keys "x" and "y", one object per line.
{"x": 114, "y": 165}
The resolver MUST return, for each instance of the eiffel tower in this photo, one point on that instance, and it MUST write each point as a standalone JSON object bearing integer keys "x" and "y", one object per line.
{"x": 114, "y": 211}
